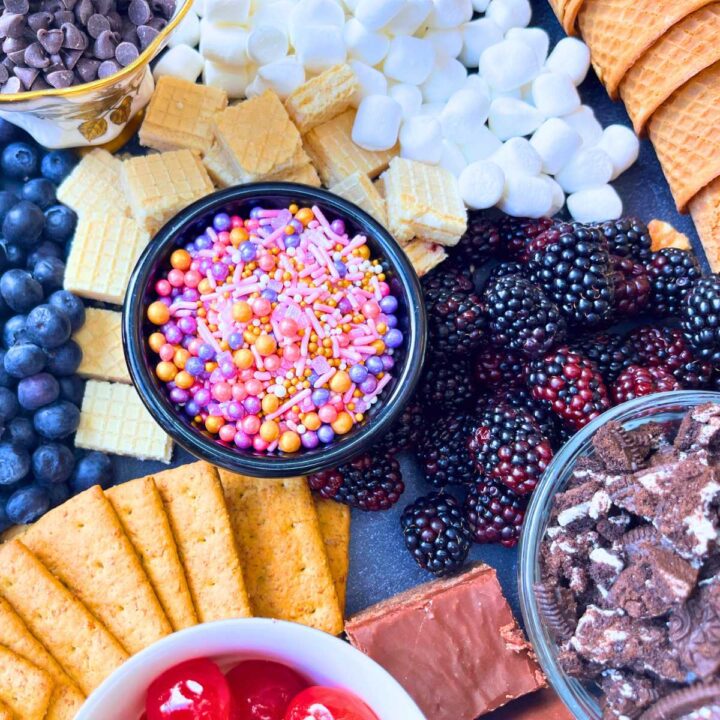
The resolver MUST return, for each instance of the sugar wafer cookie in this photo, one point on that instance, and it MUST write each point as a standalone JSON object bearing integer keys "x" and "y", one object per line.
{"x": 100, "y": 339}
{"x": 219, "y": 167}
{"x": 664, "y": 235}
{"x": 705, "y": 211}
{"x": 359, "y": 189}
{"x": 305, "y": 174}
{"x": 334, "y": 521}
{"x": 24, "y": 687}
{"x": 424, "y": 256}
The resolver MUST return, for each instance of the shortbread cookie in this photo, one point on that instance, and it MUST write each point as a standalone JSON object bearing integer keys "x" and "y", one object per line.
{"x": 100, "y": 339}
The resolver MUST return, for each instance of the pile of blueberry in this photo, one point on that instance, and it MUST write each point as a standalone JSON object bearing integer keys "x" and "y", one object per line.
{"x": 40, "y": 393}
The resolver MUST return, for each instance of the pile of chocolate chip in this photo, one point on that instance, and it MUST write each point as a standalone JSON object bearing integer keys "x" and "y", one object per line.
{"x": 631, "y": 569}
{"x": 59, "y": 43}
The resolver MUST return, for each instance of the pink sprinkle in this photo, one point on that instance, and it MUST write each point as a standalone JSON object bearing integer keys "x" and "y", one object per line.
{"x": 364, "y": 340}
{"x": 314, "y": 322}
{"x": 206, "y": 335}
{"x": 356, "y": 242}
{"x": 262, "y": 375}
{"x": 293, "y": 401}
{"x": 211, "y": 280}
{"x": 347, "y": 397}
{"x": 257, "y": 356}
{"x": 324, "y": 378}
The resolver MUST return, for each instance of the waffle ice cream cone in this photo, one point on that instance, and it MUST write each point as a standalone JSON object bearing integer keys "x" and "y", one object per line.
{"x": 567, "y": 12}
{"x": 681, "y": 53}
{"x": 705, "y": 211}
{"x": 686, "y": 134}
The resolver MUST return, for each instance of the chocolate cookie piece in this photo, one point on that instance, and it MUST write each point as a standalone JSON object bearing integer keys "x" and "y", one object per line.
{"x": 700, "y": 428}
{"x": 613, "y": 527}
{"x": 555, "y": 613}
{"x": 568, "y": 552}
{"x": 580, "y": 507}
{"x": 626, "y": 693}
{"x": 697, "y": 702}
{"x": 619, "y": 450}
{"x": 605, "y": 567}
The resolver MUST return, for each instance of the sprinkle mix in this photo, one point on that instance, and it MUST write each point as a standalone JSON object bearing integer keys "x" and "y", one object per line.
{"x": 275, "y": 332}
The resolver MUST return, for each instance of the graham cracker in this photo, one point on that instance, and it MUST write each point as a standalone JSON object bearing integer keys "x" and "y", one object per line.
{"x": 100, "y": 339}
{"x": 200, "y": 523}
{"x": 94, "y": 185}
{"x": 705, "y": 211}
{"x": 142, "y": 514}
{"x": 359, "y": 189}
{"x": 113, "y": 419}
{"x": 5, "y": 712}
{"x": 424, "y": 256}
{"x": 180, "y": 115}
{"x": 24, "y": 688}
{"x": 160, "y": 185}
{"x": 82, "y": 542}
{"x": 278, "y": 535}
{"x": 102, "y": 256}
{"x": 664, "y": 235}
{"x": 335, "y": 155}
{"x": 334, "y": 521}
{"x": 81, "y": 644}
{"x": 322, "y": 98}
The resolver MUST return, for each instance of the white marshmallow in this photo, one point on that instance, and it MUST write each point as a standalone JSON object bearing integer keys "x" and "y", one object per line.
{"x": 526, "y": 196}
{"x": 364, "y": 45}
{"x": 408, "y": 96}
{"x": 432, "y": 109}
{"x": 370, "y": 81}
{"x": 510, "y": 118}
{"x": 477, "y": 83}
{"x": 588, "y": 168}
{"x": 451, "y": 158}
{"x": 558, "y": 195}
{"x": 234, "y": 80}
{"x": 481, "y": 184}
{"x": 319, "y": 47}
{"x": 266, "y": 44}
{"x": 283, "y": 76}
{"x": 277, "y": 14}
{"x": 447, "y": 77}
{"x": 478, "y": 36}
{"x": 198, "y": 7}
{"x": 255, "y": 88}
{"x": 224, "y": 43}
{"x": 409, "y": 60}
{"x": 410, "y": 18}
{"x": 482, "y": 145}
{"x": 350, "y": 5}
{"x": 595, "y": 204}
{"x": 572, "y": 57}
{"x": 235, "y": 12}
{"x": 314, "y": 13}
{"x": 480, "y": 6}
{"x": 420, "y": 139}
{"x": 516, "y": 94}
{"x": 377, "y": 123}
{"x": 554, "y": 94}
{"x": 518, "y": 157}
{"x": 376, "y": 14}
{"x": 556, "y": 143}
{"x": 509, "y": 64}
{"x": 583, "y": 121}
{"x": 509, "y": 13}
{"x": 181, "y": 61}
{"x": 447, "y": 43}
{"x": 187, "y": 32}
{"x": 463, "y": 113}
{"x": 622, "y": 145}
{"x": 535, "y": 37}
{"x": 450, "y": 13}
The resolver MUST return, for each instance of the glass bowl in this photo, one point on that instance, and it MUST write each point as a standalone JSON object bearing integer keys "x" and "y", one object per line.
{"x": 408, "y": 358}
{"x": 580, "y": 698}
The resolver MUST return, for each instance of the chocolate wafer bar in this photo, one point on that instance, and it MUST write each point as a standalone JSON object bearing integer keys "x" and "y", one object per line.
{"x": 359, "y": 189}
{"x": 24, "y": 688}
{"x": 100, "y": 339}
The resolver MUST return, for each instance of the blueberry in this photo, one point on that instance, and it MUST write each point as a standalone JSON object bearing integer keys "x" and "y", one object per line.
{"x": 95, "y": 468}
{"x": 49, "y": 272}
{"x": 52, "y": 463}
{"x": 57, "y": 164}
{"x": 14, "y": 463}
{"x": 15, "y": 255}
{"x": 58, "y": 493}
{"x": 57, "y": 421}
{"x": 9, "y": 406}
{"x": 7, "y": 200}
{"x": 48, "y": 326}
{"x": 45, "y": 249}
{"x": 27, "y": 504}
{"x": 20, "y": 290}
{"x": 8, "y": 132}
{"x": 71, "y": 305}
{"x": 60, "y": 222}
{"x": 20, "y": 431}
{"x": 14, "y": 330}
{"x": 24, "y": 359}
{"x": 5, "y": 522}
{"x": 23, "y": 224}
{"x": 72, "y": 388}
{"x": 19, "y": 161}
{"x": 64, "y": 360}
{"x": 40, "y": 191}
{"x": 37, "y": 390}
{"x": 6, "y": 380}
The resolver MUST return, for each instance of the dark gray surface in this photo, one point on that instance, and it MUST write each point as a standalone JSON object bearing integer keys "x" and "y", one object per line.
{"x": 380, "y": 565}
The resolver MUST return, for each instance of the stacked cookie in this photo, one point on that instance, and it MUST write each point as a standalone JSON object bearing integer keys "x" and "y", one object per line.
{"x": 106, "y": 574}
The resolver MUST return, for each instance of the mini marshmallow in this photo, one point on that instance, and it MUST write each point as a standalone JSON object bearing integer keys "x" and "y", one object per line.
{"x": 535, "y": 37}
{"x": 266, "y": 44}
{"x": 463, "y": 113}
{"x": 572, "y": 57}
{"x": 477, "y": 37}
{"x": 187, "y": 32}
{"x": 509, "y": 13}
{"x": 595, "y": 205}
{"x": 447, "y": 77}
{"x": 320, "y": 13}
{"x": 516, "y": 94}
{"x": 410, "y": 18}
{"x": 556, "y": 143}
{"x": 554, "y": 94}
{"x": 225, "y": 44}
{"x": 350, "y": 5}
{"x": 558, "y": 195}
{"x": 584, "y": 122}
{"x": 481, "y": 184}
{"x": 622, "y": 145}
{"x": 588, "y": 168}
{"x": 518, "y": 157}
{"x": 364, "y": 45}
{"x": 181, "y": 61}
{"x": 482, "y": 145}
{"x": 277, "y": 14}
{"x": 408, "y": 96}
{"x": 480, "y": 6}
{"x": 478, "y": 84}
{"x": 409, "y": 60}
{"x": 376, "y": 14}
{"x": 370, "y": 81}
{"x": 255, "y": 88}
{"x": 447, "y": 43}
{"x": 526, "y": 196}
{"x": 510, "y": 118}
{"x": 432, "y": 109}
{"x": 450, "y": 13}
{"x": 283, "y": 76}
{"x": 508, "y": 65}
{"x": 420, "y": 139}
{"x": 235, "y": 12}
{"x": 198, "y": 7}
{"x": 319, "y": 47}
{"x": 234, "y": 80}
{"x": 377, "y": 123}
{"x": 451, "y": 158}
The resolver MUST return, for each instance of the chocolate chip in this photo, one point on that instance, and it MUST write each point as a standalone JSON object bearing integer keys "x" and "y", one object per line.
{"x": 4, "y": 74}
{"x": 102, "y": 7}
{"x": 70, "y": 58}
{"x": 26, "y": 75}
{"x": 83, "y": 10}
{"x": 22, "y": 7}
{"x": 39, "y": 20}
{"x": 146, "y": 34}
{"x": 97, "y": 24}
{"x": 166, "y": 8}
{"x": 115, "y": 21}
{"x": 12, "y": 25}
{"x": 125, "y": 53}
{"x": 107, "y": 68}
{"x": 139, "y": 12}
{"x": 64, "y": 16}
{"x": 8, "y": 63}
{"x": 74, "y": 39}
{"x": 14, "y": 48}
{"x": 157, "y": 23}
{"x": 130, "y": 34}
{"x": 69, "y": 4}
{"x": 13, "y": 85}
{"x": 60, "y": 78}
{"x": 40, "y": 84}
{"x": 87, "y": 69}
{"x": 104, "y": 47}
{"x": 51, "y": 40}
{"x": 35, "y": 56}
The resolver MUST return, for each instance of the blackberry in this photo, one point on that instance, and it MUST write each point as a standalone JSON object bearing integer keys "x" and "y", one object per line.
{"x": 574, "y": 270}
{"x": 495, "y": 513}
{"x": 701, "y": 318}
{"x": 446, "y": 384}
{"x": 611, "y": 352}
{"x": 570, "y": 384}
{"x": 672, "y": 272}
{"x": 632, "y": 286}
{"x": 446, "y": 460}
{"x": 480, "y": 241}
{"x": 370, "y": 482}
{"x": 546, "y": 420}
{"x": 521, "y": 318}
{"x": 517, "y": 233}
{"x": 436, "y": 533}
{"x": 493, "y": 367}
{"x": 508, "y": 447}
{"x": 638, "y": 381}
{"x": 504, "y": 269}
{"x": 407, "y": 430}
{"x": 627, "y": 237}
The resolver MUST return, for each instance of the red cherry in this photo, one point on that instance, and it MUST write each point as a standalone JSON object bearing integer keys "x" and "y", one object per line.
{"x": 324, "y": 703}
{"x": 193, "y": 690}
{"x": 262, "y": 690}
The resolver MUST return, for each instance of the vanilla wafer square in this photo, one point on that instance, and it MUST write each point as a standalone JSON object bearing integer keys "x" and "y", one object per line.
{"x": 359, "y": 189}
{"x": 424, "y": 256}
{"x": 113, "y": 419}
{"x": 219, "y": 167}
{"x": 180, "y": 115}
{"x": 322, "y": 98}
{"x": 664, "y": 235}
{"x": 102, "y": 256}
{"x": 305, "y": 175}
{"x": 162, "y": 184}
{"x": 100, "y": 339}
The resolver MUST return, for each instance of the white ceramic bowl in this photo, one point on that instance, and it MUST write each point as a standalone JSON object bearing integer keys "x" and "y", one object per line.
{"x": 324, "y": 659}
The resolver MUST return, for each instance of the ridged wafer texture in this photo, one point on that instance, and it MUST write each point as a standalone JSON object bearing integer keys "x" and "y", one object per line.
{"x": 305, "y": 174}
{"x": 686, "y": 134}
{"x": 685, "y": 702}
{"x": 24, "y": 687}
{"x": 100, "y": 339}
{"x": 705, "y": 212}
{"x": 359, "y": 189}
{"x": 618, "y": 32}
{"x": 681, "y": 53}
{"x": 219, "y": 167}
{"x": 567, "y": 12}
{"x": 424, "y": 256}
{"x": 664, "y": 235}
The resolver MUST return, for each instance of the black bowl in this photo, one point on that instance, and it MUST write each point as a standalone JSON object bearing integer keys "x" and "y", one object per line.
{"x": 408, "y": 359}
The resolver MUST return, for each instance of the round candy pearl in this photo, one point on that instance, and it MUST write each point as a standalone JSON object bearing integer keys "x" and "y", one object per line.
{"x": 310, "y": 439}
{"x": 188, "y": 325}
{"x": 269, "y": 294}
{"x": 272, "y": 363}
{"x": 393, "y": 338}
{"x": 177, "y": 395}
{"x": 259, "y": 444}
{"x": 384, "y": 288}
{"x": 158, "y": 313}
{"x": 202, "y": 397}
{"x": 235, "y": 410}
{"x": 253, "y": 387}
{"x": 374, "y": 364}
{"x": 227, "y": 433}
{"x": 192, "y": 408}
{"x": 371, "y": 309}
{"x": 388, "y": 362}
{"x": 261, "y": 307}
{"x": 388, "y": 304}
{"x": 250, "y": 424}
{"x": 344, "y": 306}
{"x": 320, "y": 396}
{"x": 338, "y": 227}
{"x": 327, "y": 413}
{"x": 192, "y": 278}
{"x": 222, "y": 221}
{"x": 203, "y": 242}
{"x": 289, "y": 441}
{"x": 326, "y": 434}
{"x": 235, "y": 341}
{"x": 220, "y": 271}
{"x": 167, "y": 353}
{"x": 291, "y": 353}
{"x": 173, "y": 334}
{"x": 288, "y": 327}
{"x": 368, "y": 385}
{"x": 163, "y": 288}
{"x": 252, "y": 404}
{"x": 228, "y": 370}
{"x": 243, "y": 440}
{"x": 206, "y": 352}
{"x": 266, "y": 263}
{"x": 222, "y": 392}
{"x": 248, "y": 251}
{"x": 176, "y": 278}
{"x": 358, "y": 373}
{"x": 239, "y": 392}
